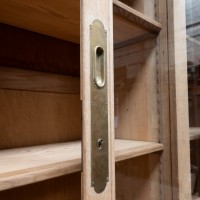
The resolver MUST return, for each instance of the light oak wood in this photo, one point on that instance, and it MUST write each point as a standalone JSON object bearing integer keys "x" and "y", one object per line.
{"x": 181, "y": 179}
{"x": 126, "y": 149}
{"x": 19, "y": 79}
{"x": 61, "y": 188}
{"x": 194, "y": 133}
{"x": 103, "y": 12}
{"x": 138, "y": 178}
{"x": 33, "y": 118}
{"x": 22, "y": 166}
{"x": 163, "y": 97}
{"x": 136, "y": 107}
{"x": 146, "y": 7}
{"x": 59, "y": 19}
{"x": 134, "y": 23}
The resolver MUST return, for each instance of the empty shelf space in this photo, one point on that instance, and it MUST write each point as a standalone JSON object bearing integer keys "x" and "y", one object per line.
{"x": 22, "y": 166}
{"x": 194, "y": 133}
{"x": 129, "y": 23}
{"x": 21, "y": 79}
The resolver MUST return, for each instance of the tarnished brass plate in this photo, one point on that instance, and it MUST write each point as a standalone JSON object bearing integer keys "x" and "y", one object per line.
{"x": 99, "y": 107}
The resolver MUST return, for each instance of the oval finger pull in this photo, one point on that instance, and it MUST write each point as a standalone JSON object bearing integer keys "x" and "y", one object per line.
{"x": 99, "y": 67}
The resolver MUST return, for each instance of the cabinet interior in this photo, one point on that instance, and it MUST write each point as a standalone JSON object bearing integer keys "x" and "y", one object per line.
{"x": 40, "y": 100}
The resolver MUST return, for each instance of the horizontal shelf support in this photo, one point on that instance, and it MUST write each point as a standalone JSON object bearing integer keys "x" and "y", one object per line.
{"x": 22, "y": 166}
{"x": 20, "y": 79}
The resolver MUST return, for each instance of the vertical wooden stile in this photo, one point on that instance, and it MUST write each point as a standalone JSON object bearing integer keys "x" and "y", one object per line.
{"x": 96, "y": 10}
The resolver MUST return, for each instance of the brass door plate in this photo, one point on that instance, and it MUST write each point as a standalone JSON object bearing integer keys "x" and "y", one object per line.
{"x": 99, "y": 107}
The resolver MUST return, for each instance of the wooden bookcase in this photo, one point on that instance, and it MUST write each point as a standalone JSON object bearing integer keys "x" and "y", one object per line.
{"x": 45, "y": 99}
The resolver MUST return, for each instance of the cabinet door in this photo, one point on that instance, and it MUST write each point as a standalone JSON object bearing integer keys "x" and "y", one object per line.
{"x": 97, "y": 100}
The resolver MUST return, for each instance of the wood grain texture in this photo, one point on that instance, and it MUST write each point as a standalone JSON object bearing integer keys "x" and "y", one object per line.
{"x": 62, "y": 188}
{"x": 19, "y": 79}
{"x": 33, "y": 118}
{"x": 22, "y": 166}
{"x": 136, "y": 108}
{"x": 135, "y": 17}
{"x": 59, "y": 19}
{"x": 126, "y": 149}
{"x": 90, "y": 11}
{"x": 28, "y": 50}
{"x": 163, "y": 99}
{"x": 143, "y": 6}
{"x": 181, "y": 178}
{"x": 138, "y": 178}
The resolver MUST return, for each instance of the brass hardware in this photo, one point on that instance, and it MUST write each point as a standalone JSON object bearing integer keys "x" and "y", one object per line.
{"x": 99, "y": 67}
{"x": 99, "y": 107}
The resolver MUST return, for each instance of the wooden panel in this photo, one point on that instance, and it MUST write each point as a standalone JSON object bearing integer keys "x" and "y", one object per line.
{"x": 25, "y": 49}
{"x": 23, "y": 166}
{"x": 136, "y": 108}
{"x": 181, "y": 178}
{"x": 62, "y": 188}
{"x": 163, "y": 99}
{"x": 138, "y": 178}
{"x": 92, "y": 10}
{"x": 27, "y": 165}
{"x": 59, "y": 18}
{"x": 19, "y": 79}
{"x": 33, "y": 118}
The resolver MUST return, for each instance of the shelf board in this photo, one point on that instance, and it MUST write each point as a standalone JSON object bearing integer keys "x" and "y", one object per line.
{"x": 194, "y": 133}
{"x": 126, "y": 149}
{"x": 134, "y": 23}
{"x": 61, "y": 19}
{"x": 195, "y": 197}
{"x": 29, "y": 80}
{"x": 22, "y": 166}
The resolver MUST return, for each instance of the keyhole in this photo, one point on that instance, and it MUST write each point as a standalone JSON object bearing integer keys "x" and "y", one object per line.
{"x": 100, "y": 143}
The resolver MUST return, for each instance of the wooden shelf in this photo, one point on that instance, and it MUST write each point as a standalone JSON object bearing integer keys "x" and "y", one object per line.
{"x": 61, "y": 19}
{"x": 22, "y": 166}
{"x": 28, "y": 80}
{"x": 194, "y": 133}
{"x": 195, "y": 198}
{"x": 135, "y": 24}
{"x": 126, "y": 149}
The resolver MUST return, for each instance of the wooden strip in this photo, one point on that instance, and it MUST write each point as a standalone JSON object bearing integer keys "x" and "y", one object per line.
{"x": 163, "y": 100}
{"x": 22, "y": 166}
{"x": 126, "y": 149}
{"x": 180, "y": 150}
{"x": 19, "y": 79}
{"x": 194, "y": 133}
{"x": 133, "y": 16}
{"x": 92, "y": 10}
